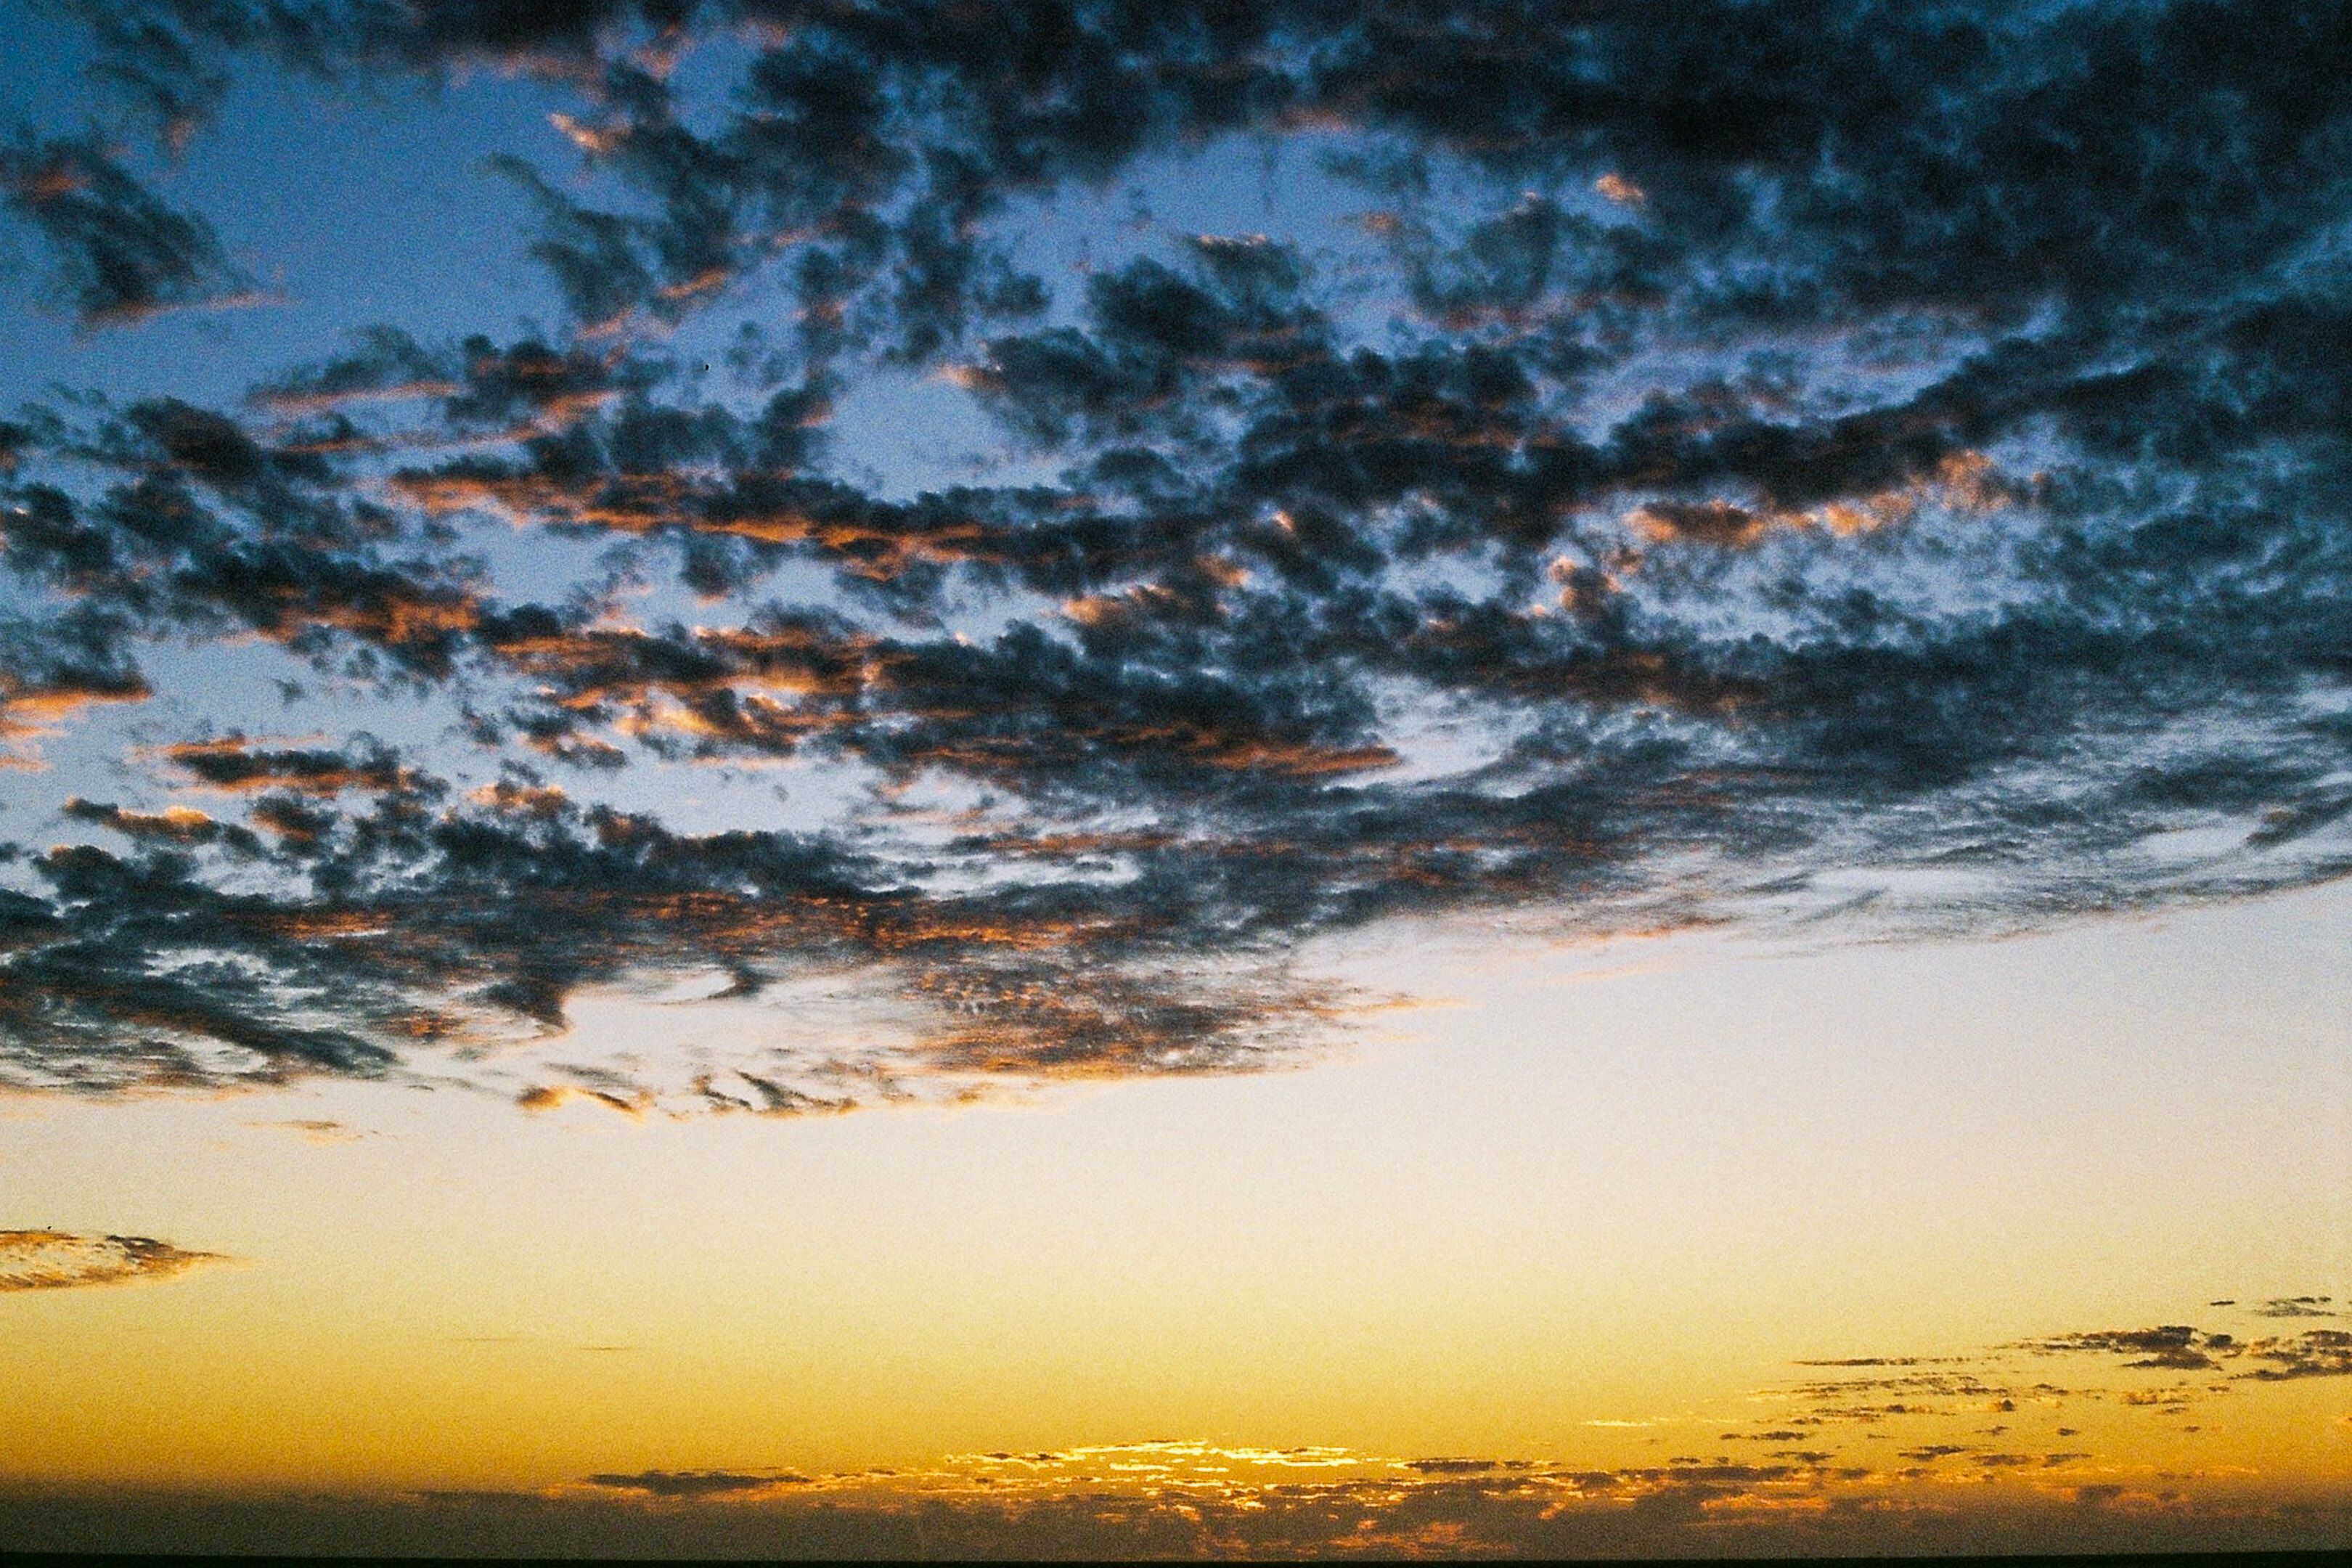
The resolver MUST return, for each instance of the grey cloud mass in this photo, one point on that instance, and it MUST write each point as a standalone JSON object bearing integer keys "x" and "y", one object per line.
{"x": 1722, "y": 458}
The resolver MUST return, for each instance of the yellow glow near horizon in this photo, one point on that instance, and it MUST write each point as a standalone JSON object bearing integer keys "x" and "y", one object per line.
{"x": 1590, "y": 1217}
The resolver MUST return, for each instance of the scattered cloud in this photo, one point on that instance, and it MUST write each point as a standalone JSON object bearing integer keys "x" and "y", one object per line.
{"x": 61, "y": 1260}
{"x": 1945, "y": 1398}
{"x": 1708, "y": 494}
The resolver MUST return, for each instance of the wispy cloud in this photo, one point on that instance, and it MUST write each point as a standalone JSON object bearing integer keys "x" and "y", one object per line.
{"x": 121, "y": 253}
{"x": 320, "y": 1130}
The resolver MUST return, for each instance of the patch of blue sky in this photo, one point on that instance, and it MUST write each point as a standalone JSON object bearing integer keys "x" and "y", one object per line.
{"x": 533, "y": 563}
{"x": 797, "y": 795}
{"x": 1442, "y": 736}
{"x": 214, "y": 688}
{"x": 345, "y": 211}
{"x": 906, "y": 434}
{"x": 115, "y": 752}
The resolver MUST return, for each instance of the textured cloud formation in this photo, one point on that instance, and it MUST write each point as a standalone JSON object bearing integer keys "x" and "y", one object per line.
{"x": 1714, "y": 463}
{"x": 61, "y": 1260}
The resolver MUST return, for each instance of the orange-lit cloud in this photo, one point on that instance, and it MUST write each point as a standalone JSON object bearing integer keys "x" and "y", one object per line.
{"x": 61, "y": 1260}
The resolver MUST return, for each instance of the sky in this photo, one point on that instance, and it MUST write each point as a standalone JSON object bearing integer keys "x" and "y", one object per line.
{"x": 1024, "y": 779}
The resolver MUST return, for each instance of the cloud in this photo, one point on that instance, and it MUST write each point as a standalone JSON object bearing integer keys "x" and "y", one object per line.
{"x": 1175, "y": 1497}
{"x": 1227, "y": 1501}
{"x": 691, "y": 1484}
{"x": 121, "y": 253}
{"x": 2317, "y": 1353}
{"x": 231, "y": 763}
{"x": 36, "y": 701}
{"x": 323, "y": 1132}
{"x": 61, "y": 1260}
{"x": 2111, "y": 1372}
{"x": 2174, "y": 1346}
{"x": 1708, "y": 493}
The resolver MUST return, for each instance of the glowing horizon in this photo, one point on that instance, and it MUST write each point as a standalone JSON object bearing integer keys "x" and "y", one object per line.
{"x": 1077, "y": 778}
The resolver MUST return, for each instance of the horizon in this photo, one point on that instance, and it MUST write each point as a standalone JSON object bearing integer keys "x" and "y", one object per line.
{"x": 1090, "y": 779}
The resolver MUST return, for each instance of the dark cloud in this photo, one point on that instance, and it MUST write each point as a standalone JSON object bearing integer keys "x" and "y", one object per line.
{"x": 697, "y": 1483}
{"x": 1743, "y": 445}
{"x": 122, "y": 252}
{"x": 2317, "y": 1353}
{"x": 61, "y": 1260}
{"x": 178, "y": 824}
{"x": 1994, "y": 160}
{"x": 233, "y": 763}
{"x": 2174, "y": 1346}
{"x": 510, "y": 1524}
{"x": 2113, "y": 1368}
{"x": 139, "y": 970}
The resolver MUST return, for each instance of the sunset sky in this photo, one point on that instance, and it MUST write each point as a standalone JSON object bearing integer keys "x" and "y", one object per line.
{"x": 1007, "y": 778}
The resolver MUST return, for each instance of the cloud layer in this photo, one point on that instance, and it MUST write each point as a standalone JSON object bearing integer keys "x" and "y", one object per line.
{"x": 1691, "y": 464}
